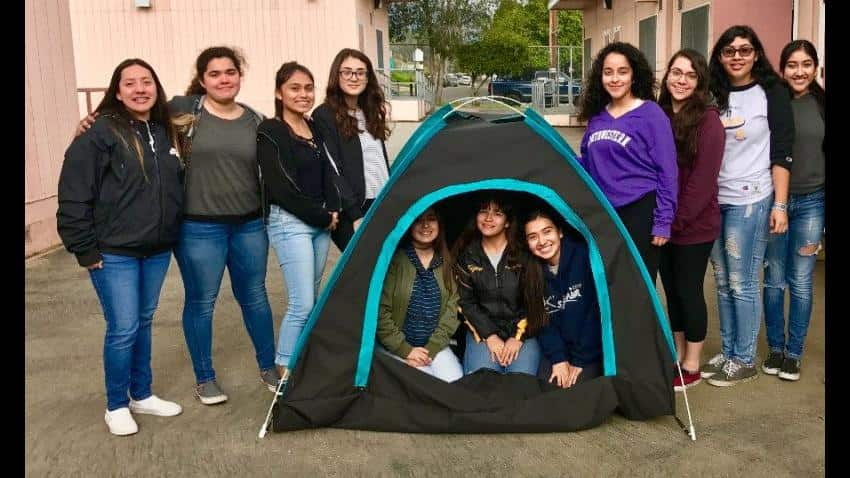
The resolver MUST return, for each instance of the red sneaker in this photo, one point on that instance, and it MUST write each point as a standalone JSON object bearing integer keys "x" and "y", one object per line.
{"x": 690, "y": 379}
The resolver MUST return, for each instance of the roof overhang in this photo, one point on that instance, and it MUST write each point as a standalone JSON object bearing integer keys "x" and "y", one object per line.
{"x": 584, "y": 4}
{"x": 572, "y": 4}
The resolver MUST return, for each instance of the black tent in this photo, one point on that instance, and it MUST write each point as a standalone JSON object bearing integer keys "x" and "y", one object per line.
{"x": 338, "y": 380}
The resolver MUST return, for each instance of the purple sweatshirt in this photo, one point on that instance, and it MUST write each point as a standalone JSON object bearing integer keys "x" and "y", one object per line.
{"x": 634, "y": 155}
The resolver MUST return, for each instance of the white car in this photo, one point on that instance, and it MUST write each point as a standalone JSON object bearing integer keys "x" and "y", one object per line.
{"x": 465, "y": 80}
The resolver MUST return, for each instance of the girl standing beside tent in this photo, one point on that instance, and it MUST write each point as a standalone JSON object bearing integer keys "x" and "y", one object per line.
{"x": 223, "y": 226}
{"x": 353, "y": 121}
{"x": 790, "y": 257}
{"x": 753, "y": 191}
{"x": 304, "y": 203}
{"x": 499, "y": 301}
{"x": 699, "y": 138}
{"x": 120, "y": 202}
{"x": 572, "y": 337}
{"x": 418, "y": 310}
{"x": 628, "y": 147}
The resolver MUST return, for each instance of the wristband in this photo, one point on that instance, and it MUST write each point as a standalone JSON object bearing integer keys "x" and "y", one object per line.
{"x": 780, "y": 206}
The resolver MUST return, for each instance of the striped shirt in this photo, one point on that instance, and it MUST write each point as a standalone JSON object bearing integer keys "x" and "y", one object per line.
{"x": 423, "y": 310}
{"x": 374, "y": 166}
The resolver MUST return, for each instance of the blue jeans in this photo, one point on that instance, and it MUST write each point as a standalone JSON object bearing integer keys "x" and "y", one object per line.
{"x": 128, "y": 290}
{"x": 737, "y": 256}
{"x": 301, "y": 251}
{"x": 790, "y": 262}
{"x": 477, "y": 356}
{"x": 202, "y": 253}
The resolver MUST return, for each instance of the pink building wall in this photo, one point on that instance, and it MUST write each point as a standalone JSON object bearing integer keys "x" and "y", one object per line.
{"x": 50, "y": 114}
{"x": 171, "y": 33}
{"x": 74, "y": 44}
{"x": 771, "y": 20}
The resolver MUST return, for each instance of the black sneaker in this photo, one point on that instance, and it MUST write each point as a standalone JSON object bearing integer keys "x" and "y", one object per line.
{"x": 773, "y": 363}
{"x": 733, "y": 373}
{"x": 790, "y": 369}
{"x": 270, "y": 378}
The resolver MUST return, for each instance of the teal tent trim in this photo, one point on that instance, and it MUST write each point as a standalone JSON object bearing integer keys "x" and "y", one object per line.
{"x": 411, "y": 149}
{"x": 544, "y": 129}
{"x": 376, "y": 283}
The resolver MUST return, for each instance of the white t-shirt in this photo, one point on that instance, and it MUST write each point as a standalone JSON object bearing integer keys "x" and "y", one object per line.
{"x": 745, "y": 176}
{"x": 375, "y": 170}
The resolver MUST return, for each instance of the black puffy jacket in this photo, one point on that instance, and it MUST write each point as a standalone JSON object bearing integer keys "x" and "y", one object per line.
{"x": 107, "y": 203}
{"x": 491, "y": 300}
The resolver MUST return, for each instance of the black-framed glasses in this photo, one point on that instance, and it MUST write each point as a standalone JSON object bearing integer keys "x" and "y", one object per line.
{"x": 729, "y": 51}
{"x": 349, "y": 74}
{"x": 676, "y": 74}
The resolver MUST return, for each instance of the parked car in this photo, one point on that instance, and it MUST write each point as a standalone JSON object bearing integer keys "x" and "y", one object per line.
{"x": 518, "y": 87}
{"x": 465, "y": 80}
{"x": 450, "y": 79}
{"x": 564, "y": 83}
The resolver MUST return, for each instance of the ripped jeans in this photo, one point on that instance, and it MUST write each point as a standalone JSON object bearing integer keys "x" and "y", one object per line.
{"x": 737, "y": 257}
{"x": 790, "y": 263}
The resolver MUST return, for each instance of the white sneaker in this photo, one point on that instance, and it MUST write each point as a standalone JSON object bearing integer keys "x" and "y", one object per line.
{"x": 154, "y": 405}
{"x": 120, "y": 422}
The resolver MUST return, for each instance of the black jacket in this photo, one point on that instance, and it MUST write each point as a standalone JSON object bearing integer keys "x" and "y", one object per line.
{"x": 491, "y": 301}
{"x": 105, "y": 202}
{"x": 348, "y": 155}
{"x": 278, "y": 179}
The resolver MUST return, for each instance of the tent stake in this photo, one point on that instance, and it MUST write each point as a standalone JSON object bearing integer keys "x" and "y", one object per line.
{"x": 281, "y": 386}
{"x": 689, "y": 430}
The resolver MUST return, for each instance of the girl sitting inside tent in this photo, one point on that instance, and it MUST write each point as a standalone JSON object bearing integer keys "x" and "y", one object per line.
{"x": 494, "y": 293}
{"x": 418, "y": 310}
{"x": 571, "y": 340}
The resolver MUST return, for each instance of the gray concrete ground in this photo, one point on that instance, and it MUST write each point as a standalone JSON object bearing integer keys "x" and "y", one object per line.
{"x": 763, "y": 428}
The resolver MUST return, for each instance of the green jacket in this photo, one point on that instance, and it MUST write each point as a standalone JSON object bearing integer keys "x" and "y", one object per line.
{"x": 395, "y": 298}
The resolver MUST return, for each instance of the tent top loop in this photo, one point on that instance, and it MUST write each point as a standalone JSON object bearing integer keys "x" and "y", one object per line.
{"x": 494, "y": 99}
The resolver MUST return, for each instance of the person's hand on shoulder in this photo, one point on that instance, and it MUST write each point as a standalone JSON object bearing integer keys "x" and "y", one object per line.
{"x": 85, "y": 124}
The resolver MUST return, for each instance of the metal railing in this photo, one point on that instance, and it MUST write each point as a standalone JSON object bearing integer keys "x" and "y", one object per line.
{"x": 88, "y": 92}
{"x": 418, "y": 87}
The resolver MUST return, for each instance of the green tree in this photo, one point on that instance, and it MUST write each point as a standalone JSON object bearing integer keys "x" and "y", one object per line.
{"x": 443, "y": 25}
{"x": 499, "y": 51}
{"x": 515, "y": 24}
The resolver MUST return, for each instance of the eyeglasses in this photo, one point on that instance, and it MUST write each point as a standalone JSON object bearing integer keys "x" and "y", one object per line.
{"x": 349, "y": 74}
{"x": 746, "y": 51}
{"x": 676, "y": 74}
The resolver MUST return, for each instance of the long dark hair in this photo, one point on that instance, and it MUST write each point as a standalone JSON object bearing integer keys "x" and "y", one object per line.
{"x": 762, "y": 71}
{"x": 516, "y": 256}
{"x": 204, "y": 59}
{"x": 440, "y": 245}
{"x": 284, "y": 73}
{"x": 119, "y": 118}
{"x": 815, "y": 89}
{"x": 535, "y": 274}
{"x": 686, "y": 122}
{"x": 371, "y": 100}
{"x": 594, "y": 98}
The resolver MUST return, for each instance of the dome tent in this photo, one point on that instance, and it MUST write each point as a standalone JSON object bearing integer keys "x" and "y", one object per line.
{"x": 338, "y": 380}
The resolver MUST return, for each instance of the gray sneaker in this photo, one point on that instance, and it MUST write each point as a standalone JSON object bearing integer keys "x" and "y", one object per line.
{"x": 209, "y": 393}
{"x": 713, "y": 366}
{"x": 271, "y": 378}
{"x": 733, "y": 373}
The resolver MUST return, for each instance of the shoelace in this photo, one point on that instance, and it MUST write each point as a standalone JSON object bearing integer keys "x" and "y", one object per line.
{"x": 716, "y": 359}
{"x": 731, "y": 368}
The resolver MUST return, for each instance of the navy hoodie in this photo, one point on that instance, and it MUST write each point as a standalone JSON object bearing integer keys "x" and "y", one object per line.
{"x": 574, "y": 330}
